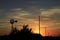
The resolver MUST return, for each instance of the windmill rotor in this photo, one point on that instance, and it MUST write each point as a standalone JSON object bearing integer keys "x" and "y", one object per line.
{"x": 12, "y": 21}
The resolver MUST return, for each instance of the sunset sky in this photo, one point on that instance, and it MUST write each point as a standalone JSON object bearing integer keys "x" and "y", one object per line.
{"x": 27, "y": 12}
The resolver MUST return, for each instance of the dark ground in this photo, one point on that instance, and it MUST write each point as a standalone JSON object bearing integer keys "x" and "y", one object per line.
{"x": 26, "y": 34}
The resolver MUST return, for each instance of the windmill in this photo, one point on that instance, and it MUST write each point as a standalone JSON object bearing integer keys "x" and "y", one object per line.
{"x": 12, "y": 21}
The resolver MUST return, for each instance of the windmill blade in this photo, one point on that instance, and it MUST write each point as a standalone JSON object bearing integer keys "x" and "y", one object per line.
{"x": 16, "y": 21}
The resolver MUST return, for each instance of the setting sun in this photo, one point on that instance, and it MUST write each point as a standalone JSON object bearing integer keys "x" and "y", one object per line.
{"x": 42, "y": 31}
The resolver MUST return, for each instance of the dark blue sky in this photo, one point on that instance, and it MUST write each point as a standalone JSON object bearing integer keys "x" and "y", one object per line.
{"x": 27, "y": 5}
{"x": 8, "y": 4}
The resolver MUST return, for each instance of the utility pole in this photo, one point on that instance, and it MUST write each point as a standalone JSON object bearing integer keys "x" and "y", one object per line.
{"x": 39, "y": 24}
{"x": 48, "y": 33}
{"x": 45, "y": 31}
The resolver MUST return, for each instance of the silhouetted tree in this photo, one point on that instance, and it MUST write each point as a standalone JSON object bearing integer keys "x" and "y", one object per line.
{"x": 26, "y": 29}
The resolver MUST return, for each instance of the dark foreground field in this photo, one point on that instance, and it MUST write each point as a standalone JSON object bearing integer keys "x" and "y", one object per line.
{"x": 28, "y": 37}
{"x": 25, "y": 34}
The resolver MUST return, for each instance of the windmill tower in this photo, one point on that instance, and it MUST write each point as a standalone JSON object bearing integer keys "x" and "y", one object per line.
{"x": 39, "y": 24}
{"x": 12, "y": 21}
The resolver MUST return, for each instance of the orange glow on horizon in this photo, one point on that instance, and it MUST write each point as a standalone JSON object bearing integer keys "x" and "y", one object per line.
{"x": 35, "y": 29}
{"x": 42, "y": 31}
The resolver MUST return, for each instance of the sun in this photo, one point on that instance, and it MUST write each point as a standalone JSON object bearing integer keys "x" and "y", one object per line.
{"x": 42, "y": 31}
